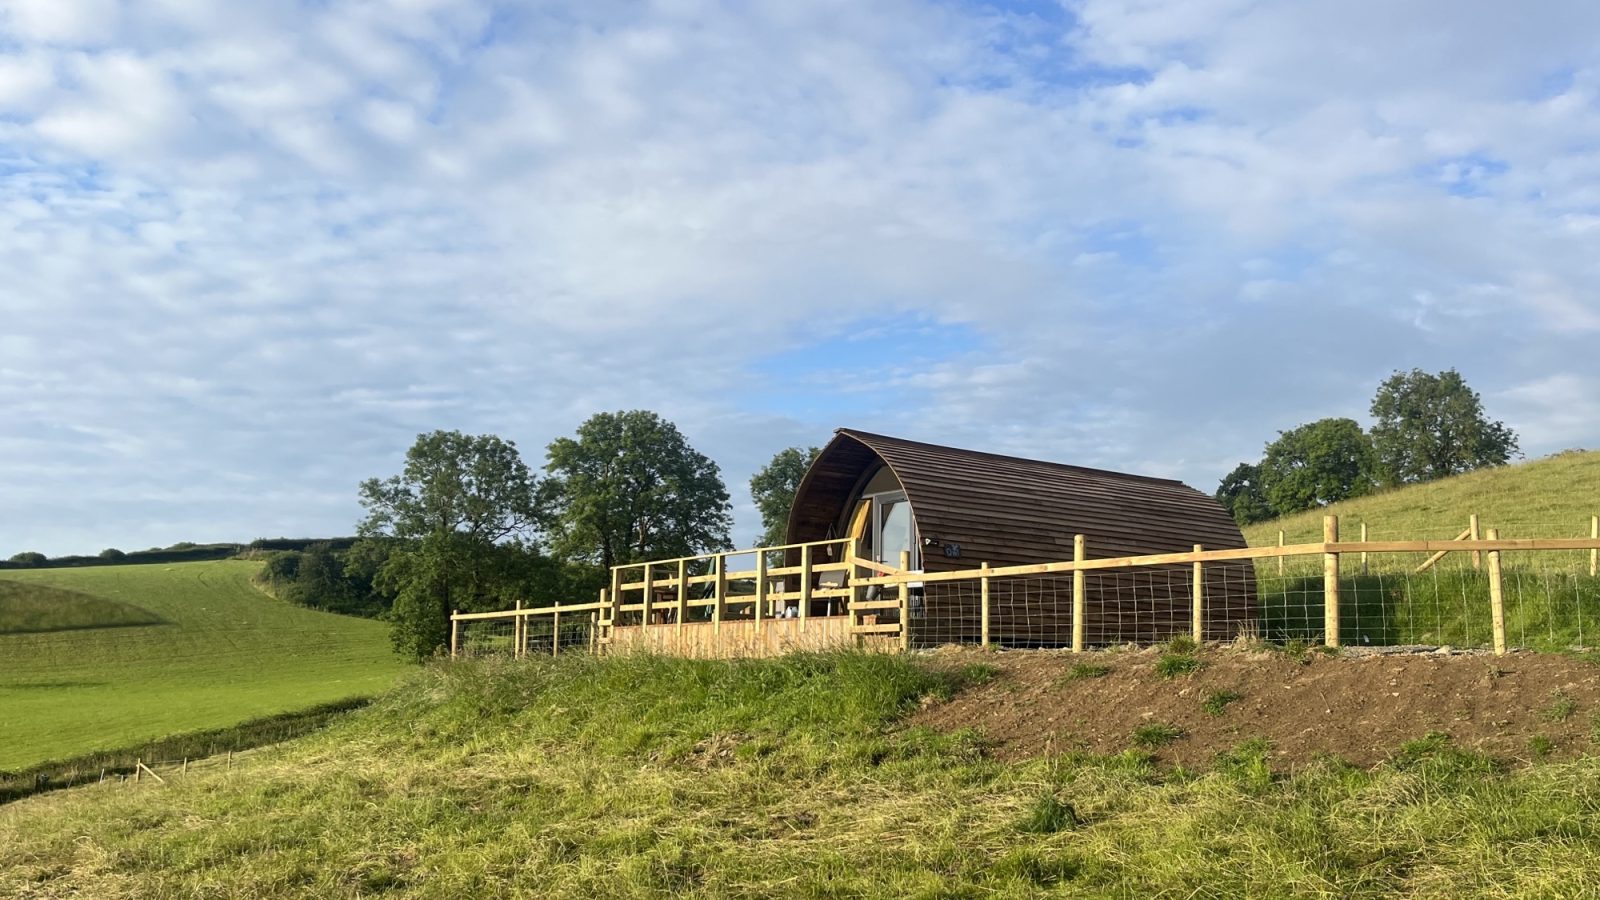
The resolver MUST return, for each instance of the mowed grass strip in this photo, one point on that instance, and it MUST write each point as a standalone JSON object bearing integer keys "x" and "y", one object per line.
{"x": 223, "y": 653}
{"x": 640, "y": 776}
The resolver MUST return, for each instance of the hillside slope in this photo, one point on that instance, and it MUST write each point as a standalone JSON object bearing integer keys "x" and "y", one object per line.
{"x": 1550, "y": 497}
{"x": 219, "y": 652}
{"x": 795, "y": 777}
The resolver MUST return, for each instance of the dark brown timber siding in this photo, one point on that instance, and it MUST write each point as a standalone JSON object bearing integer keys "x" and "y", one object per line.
{"x": 1009, "y": 511}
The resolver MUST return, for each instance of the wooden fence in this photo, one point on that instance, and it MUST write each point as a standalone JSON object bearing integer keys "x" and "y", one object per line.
{"x": 820, "y": 595}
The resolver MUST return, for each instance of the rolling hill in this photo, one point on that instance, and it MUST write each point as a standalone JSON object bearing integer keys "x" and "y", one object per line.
{"x": 104, "y": 658}
{"x": 1551, "y": 497}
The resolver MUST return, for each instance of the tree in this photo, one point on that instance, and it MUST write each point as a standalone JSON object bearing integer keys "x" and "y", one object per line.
{"x": 1316, "y": 464}
{"x": 29, "y": 558}
{"x": 773, "y": 488}
{"x": 457, "y": 499}
{"x": 629, "y": 488}
{"x": 1244, "y": 496}
{"x": 112, "y": 554}
{"x": 1432, "y": 426}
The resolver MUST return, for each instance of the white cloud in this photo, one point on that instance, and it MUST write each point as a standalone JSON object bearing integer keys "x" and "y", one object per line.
{"x": 254, "y": 248}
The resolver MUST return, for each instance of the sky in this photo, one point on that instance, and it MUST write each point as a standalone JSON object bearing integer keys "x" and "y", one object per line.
{"x": 248, "y": 251}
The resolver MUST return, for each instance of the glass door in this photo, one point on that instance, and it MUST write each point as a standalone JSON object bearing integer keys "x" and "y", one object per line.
{"x": 893, "y": 529}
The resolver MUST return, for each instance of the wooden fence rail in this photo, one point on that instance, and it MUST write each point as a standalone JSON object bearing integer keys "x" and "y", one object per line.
{"x": 875, "y": 600}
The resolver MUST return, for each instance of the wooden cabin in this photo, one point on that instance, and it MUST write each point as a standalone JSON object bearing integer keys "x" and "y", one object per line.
{"x": 953, "y": 509}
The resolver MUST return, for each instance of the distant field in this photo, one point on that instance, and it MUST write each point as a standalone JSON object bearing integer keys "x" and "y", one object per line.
{"x": 219, "y": 652}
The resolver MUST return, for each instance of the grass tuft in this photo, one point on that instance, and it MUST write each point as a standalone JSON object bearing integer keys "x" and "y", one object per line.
{"x": 1171, "y": 665}
{"x": 1081, "y": 671}
{"x": 1156, "y": 734}
{"x": 1216, "y": 703}
{"x": 1561, "y": 708}
{"x": 1049, "y": 815}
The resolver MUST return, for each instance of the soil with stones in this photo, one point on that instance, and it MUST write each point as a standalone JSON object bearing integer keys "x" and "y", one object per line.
{"x": 1359, "y": 707}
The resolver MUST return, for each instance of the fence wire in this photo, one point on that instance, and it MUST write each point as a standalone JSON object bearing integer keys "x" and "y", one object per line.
{"x": 1551, "y": 602}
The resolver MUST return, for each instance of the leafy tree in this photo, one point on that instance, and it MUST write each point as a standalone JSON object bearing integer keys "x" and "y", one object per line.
{"x": 1432, "y": 426}
{"x": 458, "y": 497}
{"x": 1244, "y": 496}
{"x": 1316, "y": 464}
{"x": 629, "y": 488}
{"x": 29, "y": 558}
{"x": 773, "y": 488}
{"x": 113, "y": 554}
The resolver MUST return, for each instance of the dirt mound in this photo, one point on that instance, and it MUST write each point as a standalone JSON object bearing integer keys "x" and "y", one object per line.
{"x": 1360, "y": 707}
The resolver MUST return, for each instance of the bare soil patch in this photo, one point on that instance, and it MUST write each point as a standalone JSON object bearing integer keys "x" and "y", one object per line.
{"x": 1359, "y": 707}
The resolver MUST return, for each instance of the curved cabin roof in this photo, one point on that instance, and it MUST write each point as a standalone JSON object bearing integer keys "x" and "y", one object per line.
{"x": 1007, "y": 511}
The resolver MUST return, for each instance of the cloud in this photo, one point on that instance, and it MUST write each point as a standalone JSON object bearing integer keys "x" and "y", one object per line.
{"x": 252, "y": 250}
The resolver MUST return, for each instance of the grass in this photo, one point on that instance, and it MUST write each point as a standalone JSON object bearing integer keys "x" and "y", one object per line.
{"x": 1080, "y": 671}
{"x": 1550, "y": 497}
{"x": 1155, "y": 734}
{"x": 36, "y": 608}
{"x": 1216, "y": 703}
{"x": 1171, "y": 665}
{"x": 1561, "y": 708}
{"x": 785, "y": 778}
{"x": 222, "y": 653}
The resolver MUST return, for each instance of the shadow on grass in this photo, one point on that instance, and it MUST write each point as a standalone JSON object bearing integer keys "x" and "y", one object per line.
{"x": 91, "y": 767}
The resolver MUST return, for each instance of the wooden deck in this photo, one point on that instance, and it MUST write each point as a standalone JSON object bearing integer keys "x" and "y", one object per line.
{"x": 735, "y": 638}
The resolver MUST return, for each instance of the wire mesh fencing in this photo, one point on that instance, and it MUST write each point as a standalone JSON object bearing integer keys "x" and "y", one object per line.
{"x": 528, "y": 634}
{"x": 1549, "y": 599}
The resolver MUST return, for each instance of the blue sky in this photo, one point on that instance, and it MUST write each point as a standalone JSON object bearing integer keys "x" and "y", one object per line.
{"x": 251, "y": 250}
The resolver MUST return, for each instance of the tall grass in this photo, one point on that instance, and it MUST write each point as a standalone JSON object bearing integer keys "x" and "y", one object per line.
{"x": 795, "y": 777}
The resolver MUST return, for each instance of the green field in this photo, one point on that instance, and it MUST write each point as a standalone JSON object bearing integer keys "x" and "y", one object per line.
{"x": 216, "y": 652}
{"x": 1547, "y": 498}
{"x": 641, "y": 777}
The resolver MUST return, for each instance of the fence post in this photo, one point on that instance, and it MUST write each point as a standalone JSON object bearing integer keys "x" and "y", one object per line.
{"x": 616, "y": 594}
{"x": 805, "y": 584}
{"x": 455, "y": 632}
{"x": 1198, "y": 589}
{"x": 851, "y": 589}
{"x": 1497, "y": 605}
{"x": 1330, "y": 583}
{"x": 983, "y": 599}
{"x": 1594, "y": 553}
{"x": 1472, "y": 526}
{"x": 648, "y": 575}
{"x": 719, "y": 592}
{"x": 905, "y": 600}
{"x": 1363, "y": 553}
{"x": 1280, "y": 546}
{"x": 519, "y": 633}
{"x": 555, "y": 632}
{"x": 761, "y": 586}
{"x": 138, "y": 763}
{"x": 683, "y": 592}
{"x": 1079, "y": 603}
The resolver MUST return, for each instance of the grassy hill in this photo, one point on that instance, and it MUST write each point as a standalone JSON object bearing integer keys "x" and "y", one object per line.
{"x": 104, "y": 658}
{"x": 1551, "y": 497}
{"x": 797, "y": 777}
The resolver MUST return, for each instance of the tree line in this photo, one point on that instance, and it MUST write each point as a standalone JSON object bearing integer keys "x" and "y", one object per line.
{"x": 1425, "y": 426}
{"x": 467, "y": 524}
